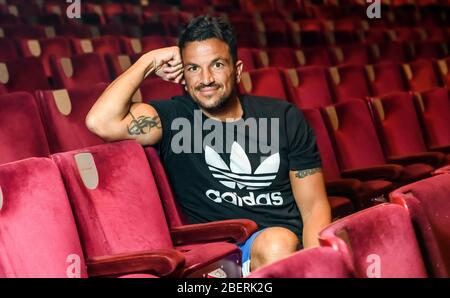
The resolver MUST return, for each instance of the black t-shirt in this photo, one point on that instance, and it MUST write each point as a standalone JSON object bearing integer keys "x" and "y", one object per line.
{"x": 230, "y": 170}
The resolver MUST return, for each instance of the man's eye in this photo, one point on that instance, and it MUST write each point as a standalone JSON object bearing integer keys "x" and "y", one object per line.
{"x": 218, "y": 65}
{"x": 192, "y": 68}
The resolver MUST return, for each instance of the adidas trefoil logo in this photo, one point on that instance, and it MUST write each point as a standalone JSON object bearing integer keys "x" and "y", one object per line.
{"x": 239, "y": 173}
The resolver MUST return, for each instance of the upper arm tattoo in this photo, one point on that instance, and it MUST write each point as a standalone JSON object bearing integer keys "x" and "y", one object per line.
{"x": 143, "y": 124}
{"x": 308, "y": 172}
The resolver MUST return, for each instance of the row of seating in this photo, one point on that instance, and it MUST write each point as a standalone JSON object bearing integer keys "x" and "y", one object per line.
{"x": 361, "y": 53}
{"x": 315, "y": 86}
{"x": 118, "y": 225}
{"x": 339, "y": 81}
{"x": 350, "y": 147}
{"x": 409, "y": 238}
{"x": 90, "y": 199}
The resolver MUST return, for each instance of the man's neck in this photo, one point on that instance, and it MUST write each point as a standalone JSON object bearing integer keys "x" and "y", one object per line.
{"x": 232, "y": 110}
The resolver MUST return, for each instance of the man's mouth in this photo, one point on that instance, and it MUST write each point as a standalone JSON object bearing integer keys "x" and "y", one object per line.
{"x": 208, "y": 90}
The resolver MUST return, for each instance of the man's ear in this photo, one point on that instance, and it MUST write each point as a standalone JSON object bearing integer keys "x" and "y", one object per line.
{"x": 239, "y": 66}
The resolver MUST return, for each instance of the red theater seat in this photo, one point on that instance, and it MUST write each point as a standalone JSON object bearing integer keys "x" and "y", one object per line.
{"x": 308, "y": 86}
{"x": 317, "y": 262}
{"x": 381, "y": 240}
{"x": 358, "y": 148}
{"x": 395, "y": 52}
{"x": 349, "y": 81}
{"x": 44, "y": 48}
{"x": 40, "y": 238}
{"x": 79, "y": 71}
{"x": 23, "y": 75}
{"x": 64, "y": 112}
{"x": 156, "y": 88}
{"x": 113, "y": 194}
{"x": 400, "y": 132}
{"x": 433, "y": 107}
{"x": 361, "y": 193}
{"x": 386, "y": 78}
{"x": 351, "y": 54}
{"x": 421, "y": 75}
{"x": 21, "y": 132}
{"x": 7, "y": 50}
{"x": 100, "y": 45}
{"x": 429, "y": 208}
{"x": 263, "y": 82}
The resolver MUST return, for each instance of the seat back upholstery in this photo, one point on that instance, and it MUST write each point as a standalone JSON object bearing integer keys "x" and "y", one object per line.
{"x": 115, "y": 200}
{"x": 22, "y": 134}
{"x": 398, "y": 125}
{"x": 64, "y": 112}
{"x": 38, "y": 235}
{"x": 381, "y": 240}
{"x": 434, "y": 109}
{"x": 353, "y": 134}
{"x": 427, "y": 202}
{"x": 317, "y": 262}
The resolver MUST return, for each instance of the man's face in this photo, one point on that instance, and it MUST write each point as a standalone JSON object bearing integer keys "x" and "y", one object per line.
{"x": 209, "y": 72}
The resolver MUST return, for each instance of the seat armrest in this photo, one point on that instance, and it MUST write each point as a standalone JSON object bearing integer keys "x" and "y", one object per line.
{"x": 162, "y": 262}
{"x": 443, "y": 149}
{"x": 234, "y": 230}
{"x": 433, "y": 159}
{"x": 386, "y": 171}
{"x": 343, "y": 187}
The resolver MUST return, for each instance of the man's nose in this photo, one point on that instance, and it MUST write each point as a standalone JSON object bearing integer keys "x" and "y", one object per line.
{"x": 207, "y": 77}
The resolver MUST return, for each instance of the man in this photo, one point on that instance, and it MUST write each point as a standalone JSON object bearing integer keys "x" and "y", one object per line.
{"x": 215, "y": 144}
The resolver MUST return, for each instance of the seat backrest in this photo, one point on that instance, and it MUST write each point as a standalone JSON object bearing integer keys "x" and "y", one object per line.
{"x": 7, "y": 50}
{"x": 317, "y": 262}
{"x": 353, "y": 134}
{"x": 427, "y": 202}
{"x": 386, "y": 78}
{"x": 421, "y": 75}
{"x": 157, "y": 88}
{"x": 349, "y": 81}
{"x": 39, "y": 236}
{"x": 13, "y": 78}
{"x": 64, "y": 111}
{"x": 329, "y": 162}
{"x": 114, "y": 198}
{"x": 100, "y": 45}
{"x": 44, "y": 48}
{"x": 79, "y": 71}
{"x": 395, "y": 52}
{"x": 263, "y": 82}
{"x": 282, "y": 57}
{"x": 352, "y": 54}
{"x": 381, "y": 240}
{"x": 434, "y": 109}
{"x": 308, "y": 87}
{"x": 398, "y": 125}
{"x": 172, "y": 210}
{"x": 318, "y": 56}
{"x": 21, "y": 132}
{"x": 246, "y": 56}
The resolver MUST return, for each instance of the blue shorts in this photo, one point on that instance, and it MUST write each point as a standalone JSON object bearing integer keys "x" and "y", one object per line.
{"x": 246, "y": 249}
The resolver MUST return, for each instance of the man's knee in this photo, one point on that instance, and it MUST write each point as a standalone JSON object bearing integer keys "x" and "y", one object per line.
{"x": 271, "y": 245}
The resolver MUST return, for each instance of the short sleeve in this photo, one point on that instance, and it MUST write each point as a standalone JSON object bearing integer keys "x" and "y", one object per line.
{"x": 167, "y": 111}
{"x": 303, "y": 153}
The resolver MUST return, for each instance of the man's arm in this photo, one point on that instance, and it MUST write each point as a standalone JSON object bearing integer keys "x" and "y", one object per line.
{"x": 311, "y": 198}
{"x": 114, "y": 117}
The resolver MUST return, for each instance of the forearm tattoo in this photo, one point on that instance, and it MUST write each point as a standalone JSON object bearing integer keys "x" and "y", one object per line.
{"x": 143, "y": 125}
{"x": 308, "y": 172}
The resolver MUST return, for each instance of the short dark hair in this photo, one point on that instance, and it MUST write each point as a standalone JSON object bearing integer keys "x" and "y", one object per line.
{"x": 206, "y": 27}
